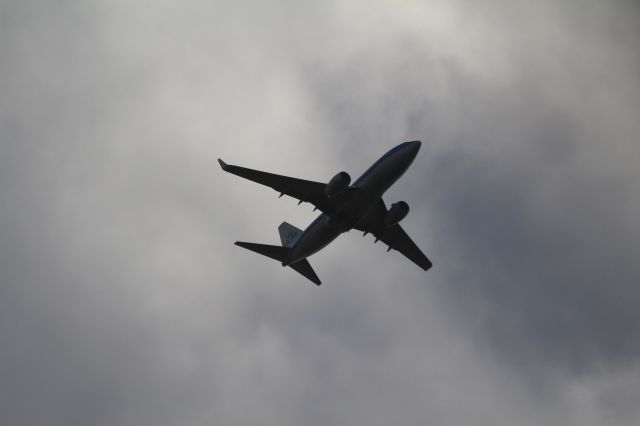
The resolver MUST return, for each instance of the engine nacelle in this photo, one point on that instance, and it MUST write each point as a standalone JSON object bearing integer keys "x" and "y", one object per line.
{"x": 396, "y": 213}
{"x": 337, "y": 184}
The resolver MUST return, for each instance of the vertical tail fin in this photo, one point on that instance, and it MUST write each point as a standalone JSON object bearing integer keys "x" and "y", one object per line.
{"x": 289, "y": 234}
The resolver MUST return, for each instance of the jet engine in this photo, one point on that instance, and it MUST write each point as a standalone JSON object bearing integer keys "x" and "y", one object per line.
{"x": 396, "y": 213}
{"x": 337, "y": 184}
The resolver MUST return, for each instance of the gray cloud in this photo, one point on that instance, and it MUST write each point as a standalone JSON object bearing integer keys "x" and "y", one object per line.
{"x": 544, "y": 217}
{"x": 122, "y": 300}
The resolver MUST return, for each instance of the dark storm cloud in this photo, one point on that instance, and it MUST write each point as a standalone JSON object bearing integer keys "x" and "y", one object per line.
{"x": 122, "y": 300}
{"x": 548, "y": 240}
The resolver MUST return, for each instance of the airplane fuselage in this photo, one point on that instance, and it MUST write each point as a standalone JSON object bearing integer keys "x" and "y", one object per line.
{"x": 370, "y": 187}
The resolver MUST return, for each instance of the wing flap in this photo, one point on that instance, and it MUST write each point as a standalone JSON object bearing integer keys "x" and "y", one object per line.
{"x": 395, "y": 237}
{"x": 300, "y": 189}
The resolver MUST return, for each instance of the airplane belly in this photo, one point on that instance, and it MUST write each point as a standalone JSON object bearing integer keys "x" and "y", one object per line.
{"x": 316, "y": 238}
{"x": 377, "y": 183}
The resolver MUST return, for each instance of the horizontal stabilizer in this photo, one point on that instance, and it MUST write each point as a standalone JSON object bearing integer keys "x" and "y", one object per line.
{"x": 304, "y": 267}
{"x": 275, "y": 252}
{"x": 279, "y": 253}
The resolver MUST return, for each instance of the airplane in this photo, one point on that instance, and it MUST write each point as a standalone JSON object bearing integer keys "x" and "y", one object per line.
{"x": 344, "y": 206}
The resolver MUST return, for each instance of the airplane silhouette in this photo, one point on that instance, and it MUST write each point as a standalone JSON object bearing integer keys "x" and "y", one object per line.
{"x": 344, "y": 207}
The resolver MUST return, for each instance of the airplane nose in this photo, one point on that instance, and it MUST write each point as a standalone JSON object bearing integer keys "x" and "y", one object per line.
{"x": 414, "y": 147}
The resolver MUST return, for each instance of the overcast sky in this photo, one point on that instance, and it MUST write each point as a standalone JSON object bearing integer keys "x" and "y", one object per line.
{"x": 124, "y": 302}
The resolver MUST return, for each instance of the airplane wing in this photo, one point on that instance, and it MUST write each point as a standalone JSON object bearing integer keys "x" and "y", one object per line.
{"x": 300, "y": 189}
{"x": 395, "y": 237}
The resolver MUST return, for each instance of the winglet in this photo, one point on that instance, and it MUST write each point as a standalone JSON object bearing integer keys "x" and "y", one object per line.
{"x": 223, "y": 164}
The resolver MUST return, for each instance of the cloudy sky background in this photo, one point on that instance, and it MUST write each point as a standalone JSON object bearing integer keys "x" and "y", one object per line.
{"x": 124, "y": 302}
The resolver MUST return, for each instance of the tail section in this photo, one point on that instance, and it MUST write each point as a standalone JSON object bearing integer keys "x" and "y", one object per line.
{"x": 289, "y": 234}
{"x": 275, "y": 252}
{"x": 279, "y": 253}
{"x": 304, "y": 267}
